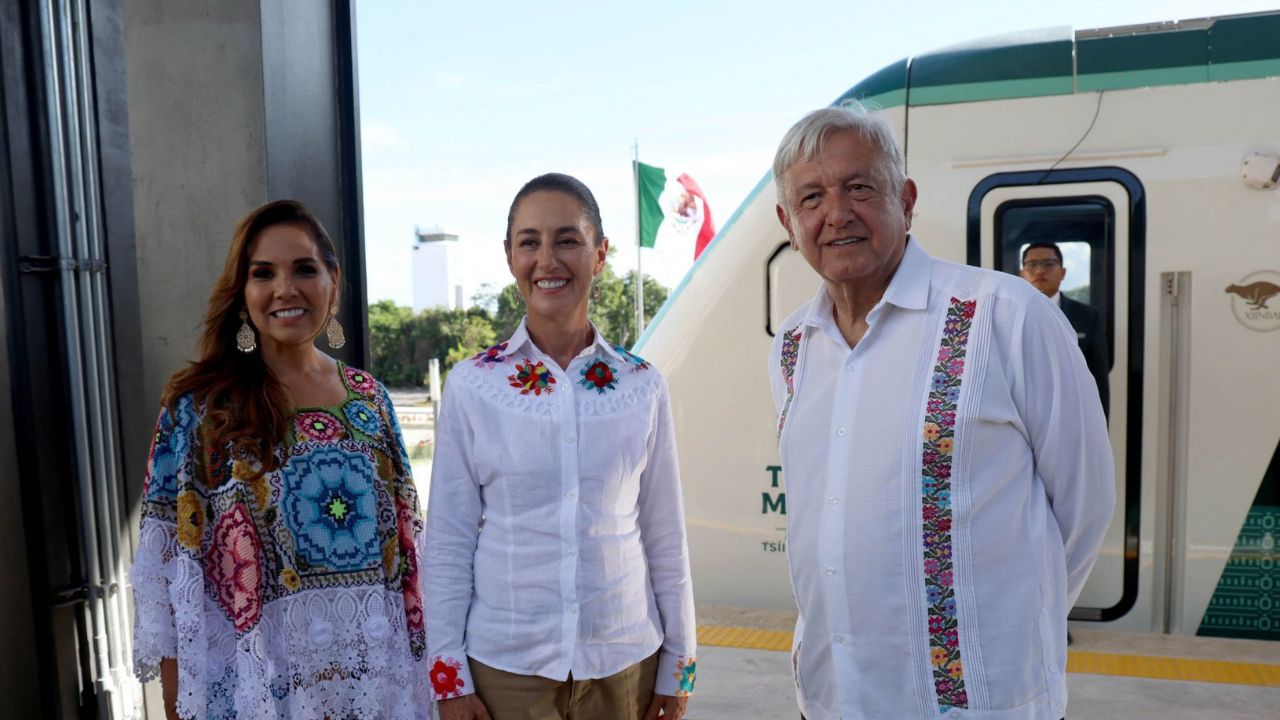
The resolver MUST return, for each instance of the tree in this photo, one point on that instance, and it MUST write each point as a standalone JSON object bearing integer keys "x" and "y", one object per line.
{"x": 615, "y": 312}
{"x": 464, "y": 334}
{"x": 485, "y": 297}
{"x": 403, "y": 344}
{"x": 391, "y": 343}
{"x": 510, "y": 310}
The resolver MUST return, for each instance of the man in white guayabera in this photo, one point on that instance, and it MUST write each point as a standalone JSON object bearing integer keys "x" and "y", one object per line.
{"x": 948, "y": 475}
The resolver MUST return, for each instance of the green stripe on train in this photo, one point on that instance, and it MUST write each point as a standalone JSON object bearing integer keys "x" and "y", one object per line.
{"x": 1246, "y": 603}
{"x": 1231, "y": 49}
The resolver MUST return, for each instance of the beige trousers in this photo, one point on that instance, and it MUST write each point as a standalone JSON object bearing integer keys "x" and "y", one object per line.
{"x": 622, "y": 696}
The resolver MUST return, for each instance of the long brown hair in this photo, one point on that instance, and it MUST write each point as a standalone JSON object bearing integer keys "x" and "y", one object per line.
{"x": 243, "y": 399}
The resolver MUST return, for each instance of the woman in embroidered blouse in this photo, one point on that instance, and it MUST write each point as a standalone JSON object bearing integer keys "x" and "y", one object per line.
{"x": 276, "y": 574}
{"x": 575, "y": 601}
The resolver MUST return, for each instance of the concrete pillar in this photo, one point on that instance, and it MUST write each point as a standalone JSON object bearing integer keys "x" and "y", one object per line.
{"x": 233, "y": 103}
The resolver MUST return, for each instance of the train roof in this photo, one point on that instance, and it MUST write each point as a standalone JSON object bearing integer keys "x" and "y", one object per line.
{"x": 1057, "y": 62}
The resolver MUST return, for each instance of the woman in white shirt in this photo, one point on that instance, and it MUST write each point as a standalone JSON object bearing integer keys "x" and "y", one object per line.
{"x": 557, "y": 574}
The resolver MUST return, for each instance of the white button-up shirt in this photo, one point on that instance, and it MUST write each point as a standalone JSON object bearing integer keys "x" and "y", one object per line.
{"x": 949, "y": 482}
{"x": 555, "y": 533}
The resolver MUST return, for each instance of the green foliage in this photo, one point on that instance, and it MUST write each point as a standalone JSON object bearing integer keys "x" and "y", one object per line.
{"x": 391, "y": 344}
{"x": 402, "y": 343}
{"x": 615, "y": 312}
{"x": 510, "y": 310}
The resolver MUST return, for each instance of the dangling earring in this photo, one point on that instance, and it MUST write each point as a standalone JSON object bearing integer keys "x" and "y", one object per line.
{"x": 595, "y": 290}
{"x": 246, "y": 341}
{"x": 337, "y": 338}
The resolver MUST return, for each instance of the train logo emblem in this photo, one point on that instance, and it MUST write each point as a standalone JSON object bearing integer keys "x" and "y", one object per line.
{"x": 1255, "y": 300}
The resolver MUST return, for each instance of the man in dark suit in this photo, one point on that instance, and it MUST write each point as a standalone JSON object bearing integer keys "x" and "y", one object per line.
{"x": 1042, "y": 266}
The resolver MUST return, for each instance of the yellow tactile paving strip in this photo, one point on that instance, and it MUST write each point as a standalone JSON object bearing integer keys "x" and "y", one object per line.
{"x": 1171, "y": 668}
{"x": 1089, "y": 663}
{"x": 744, "y": 638}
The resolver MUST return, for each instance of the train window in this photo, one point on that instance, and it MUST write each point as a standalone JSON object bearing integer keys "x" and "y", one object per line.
{"x": 789, "y": 283}
{"x": 1082, "y": 227}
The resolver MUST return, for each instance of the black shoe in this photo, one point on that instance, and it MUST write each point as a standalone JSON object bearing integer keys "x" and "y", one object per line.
{"x": 1069, "y": 638}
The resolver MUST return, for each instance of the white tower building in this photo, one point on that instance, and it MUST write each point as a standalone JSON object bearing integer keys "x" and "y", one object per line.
{"x": 437, "y": 278}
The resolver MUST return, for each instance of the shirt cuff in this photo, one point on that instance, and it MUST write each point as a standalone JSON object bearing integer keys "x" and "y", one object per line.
{"x": 676, "y": 675}
{"x": 450, "y": 676}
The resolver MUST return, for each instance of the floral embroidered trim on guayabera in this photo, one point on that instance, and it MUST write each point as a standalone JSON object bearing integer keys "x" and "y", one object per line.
{"x": 939, "y": 446}
{"x": 790, "y": 353}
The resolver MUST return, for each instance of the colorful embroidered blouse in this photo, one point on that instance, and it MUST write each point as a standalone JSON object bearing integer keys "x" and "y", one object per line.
{"x": 293, "y": 595}
{"x": 949, "y": 481}
{"x": 582, "y": 565}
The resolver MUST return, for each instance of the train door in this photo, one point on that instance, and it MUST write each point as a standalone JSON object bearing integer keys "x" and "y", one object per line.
{"x": 1097, "y": 218}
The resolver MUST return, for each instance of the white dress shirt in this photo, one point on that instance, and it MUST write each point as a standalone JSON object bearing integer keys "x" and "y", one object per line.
{"x": 555, "y": 527}
{"x": 949, "y": 482}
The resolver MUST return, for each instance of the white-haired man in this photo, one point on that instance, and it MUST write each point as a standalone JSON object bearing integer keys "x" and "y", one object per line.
{"x": 949, "y": 479}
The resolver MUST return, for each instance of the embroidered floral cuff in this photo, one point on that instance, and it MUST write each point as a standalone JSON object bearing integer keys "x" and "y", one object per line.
{"x": 676, "y": 675}
{"x": 450, "y": 677}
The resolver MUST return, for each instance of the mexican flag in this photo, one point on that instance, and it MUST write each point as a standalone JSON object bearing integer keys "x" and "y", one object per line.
{"x": 676, "y": 210}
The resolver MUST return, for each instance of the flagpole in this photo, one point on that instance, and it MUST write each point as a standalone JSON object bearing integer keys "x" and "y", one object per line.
{"x": 635, "y": 176}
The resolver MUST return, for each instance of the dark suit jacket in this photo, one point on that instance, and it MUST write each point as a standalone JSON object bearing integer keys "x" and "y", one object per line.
{"x": 1092, "y": 336}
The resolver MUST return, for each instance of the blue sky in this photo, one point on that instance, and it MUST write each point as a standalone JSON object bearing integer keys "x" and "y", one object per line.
{"x": 461, "y": 103}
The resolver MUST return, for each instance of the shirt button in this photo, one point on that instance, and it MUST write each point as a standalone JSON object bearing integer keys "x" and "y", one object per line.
{"x": 568, "y": 439}
{"x": 571, "y": 496}
{"x": 831, "y": 570}
{"x": 853, "y": 367}
{"x": 839, "y": 639}
{"x": 840, "y": 432}
{"x": 833, "y": 500}
{"x": 572, "y": 609}
{"x": 572, "y": 552}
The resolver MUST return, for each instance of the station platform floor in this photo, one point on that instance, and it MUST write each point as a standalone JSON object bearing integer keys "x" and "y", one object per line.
{"x": 744, "y": 673}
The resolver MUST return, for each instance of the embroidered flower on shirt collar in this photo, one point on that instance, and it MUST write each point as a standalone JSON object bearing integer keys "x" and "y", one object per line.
{"x": 637, "y": 363}
{"x": 599, "y": 377}
{"x": 531, "y": 378}
{"x": 494, "y": 355}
